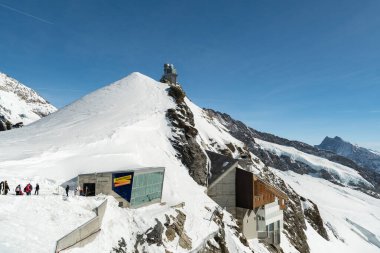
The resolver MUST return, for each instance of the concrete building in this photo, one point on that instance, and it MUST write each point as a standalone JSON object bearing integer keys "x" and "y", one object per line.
{"x": 257, "y": 205}
{"x": 132, "y": 188}
{"x": 170, "y": 74}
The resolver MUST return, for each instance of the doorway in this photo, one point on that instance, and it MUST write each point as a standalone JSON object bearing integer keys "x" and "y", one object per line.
{"x": 89, "y": 189}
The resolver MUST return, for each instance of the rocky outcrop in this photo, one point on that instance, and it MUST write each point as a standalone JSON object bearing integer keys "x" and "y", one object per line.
{"x": 311, "y": 212}
{"x": 121, "y": 246}
{"x": 175, "y": 227}
{"x": 7, "y": 125}
{"x": 184, "y": 136}
{"x": 217, "y": 244}
{"x": 154, "y": 235}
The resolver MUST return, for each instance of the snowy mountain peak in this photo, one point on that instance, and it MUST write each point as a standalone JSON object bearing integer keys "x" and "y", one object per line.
{"x": 138, "y": 122}
{"x": 19, "y": 103}
{"x": 362, "y": 156}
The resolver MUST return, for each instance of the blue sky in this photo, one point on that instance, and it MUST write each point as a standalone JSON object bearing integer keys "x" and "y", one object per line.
{"x": 298, "y": 69}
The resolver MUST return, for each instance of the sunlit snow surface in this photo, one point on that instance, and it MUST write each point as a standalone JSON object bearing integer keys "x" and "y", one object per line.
{"x": 121, "y": 126}
{"x": 124, "y": 126}
{"x": 341, "y": 207}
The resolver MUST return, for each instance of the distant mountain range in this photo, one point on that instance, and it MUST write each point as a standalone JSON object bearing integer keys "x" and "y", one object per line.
{"x": 362, "y": 156}
{"x": 19, "y": 103}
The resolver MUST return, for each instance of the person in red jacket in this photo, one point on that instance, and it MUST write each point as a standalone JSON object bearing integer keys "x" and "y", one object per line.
{"x": 28, "y": 189}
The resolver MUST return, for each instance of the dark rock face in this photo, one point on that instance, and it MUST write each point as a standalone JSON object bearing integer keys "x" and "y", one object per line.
{"x": 362, "y": 156}
{"x": 5, "y": 124}
{"x": 121, "y": 246}
{"x": 184, "y": 140}
{"x": 154, "y": 235}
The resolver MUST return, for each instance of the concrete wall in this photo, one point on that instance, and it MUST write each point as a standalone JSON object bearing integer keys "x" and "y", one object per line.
{"x": 85, "y": 233}
{"x": 247, "y": 221}
{"x": 224, "y": 192}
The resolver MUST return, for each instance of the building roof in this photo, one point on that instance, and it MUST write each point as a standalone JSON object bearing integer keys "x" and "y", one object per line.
{"x": 220, "y": 164}
{"x": 272, "y": 188}
{"x": 136, "y": 170}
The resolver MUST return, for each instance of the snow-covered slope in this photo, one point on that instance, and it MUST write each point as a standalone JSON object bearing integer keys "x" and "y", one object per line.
{"x": 342, "y": 174}
{"x": 121, "y": 126}
{"x": 19, "y": 103}
{"x": 125, "y": 125}
{"x": 352, "y": 218}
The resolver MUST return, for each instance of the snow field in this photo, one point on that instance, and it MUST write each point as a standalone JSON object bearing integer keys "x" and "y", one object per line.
{"x": 337, "y": 204}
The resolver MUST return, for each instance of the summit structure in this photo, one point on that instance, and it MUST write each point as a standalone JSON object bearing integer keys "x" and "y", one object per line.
{"x": 170, "y": 74}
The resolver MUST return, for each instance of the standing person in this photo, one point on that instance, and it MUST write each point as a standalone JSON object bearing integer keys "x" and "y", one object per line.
{"x": 67, "y": 190}
{"x": 1, "y": 187}
{"x": 28, "y": 189}
{"x": 37, "y": 189}
{"x": 6, "y": 187}
{"x": 77, "y": 190}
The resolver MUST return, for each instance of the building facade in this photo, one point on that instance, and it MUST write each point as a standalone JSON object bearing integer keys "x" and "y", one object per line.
{"x": 131, "y": 188}
{"x": 257, "y": 205}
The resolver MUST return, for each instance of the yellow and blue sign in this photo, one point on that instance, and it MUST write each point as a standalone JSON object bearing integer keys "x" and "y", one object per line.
{"x": 122, "y": 184}
{"x": 120, "y": 181}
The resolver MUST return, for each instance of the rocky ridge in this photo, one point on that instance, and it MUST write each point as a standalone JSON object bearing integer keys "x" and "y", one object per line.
{"x": 19, "y": 104}
{"x": 363, "y": 157}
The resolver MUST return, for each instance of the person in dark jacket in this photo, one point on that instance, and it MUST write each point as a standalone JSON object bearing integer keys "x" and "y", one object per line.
{"x": 1, "y": 187}
{"x": 37, "y": 189}
{"x": 18, "y": 190}
{"x": 6, "y": 187}
{"x": 67, "y": 190}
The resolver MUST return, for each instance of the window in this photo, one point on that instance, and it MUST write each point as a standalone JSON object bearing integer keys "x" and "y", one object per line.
{"x": 146, "y": 188}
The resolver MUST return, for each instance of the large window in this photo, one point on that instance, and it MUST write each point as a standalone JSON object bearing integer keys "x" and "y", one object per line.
{"x": 146, "y": 188}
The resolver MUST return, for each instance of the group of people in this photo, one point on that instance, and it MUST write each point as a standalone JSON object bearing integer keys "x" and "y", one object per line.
{"x": 4, "y": 189}
{"x": 27, "y": 189}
